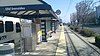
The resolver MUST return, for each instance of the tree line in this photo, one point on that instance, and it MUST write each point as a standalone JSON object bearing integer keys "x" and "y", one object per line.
{"x": 85, "y": 13}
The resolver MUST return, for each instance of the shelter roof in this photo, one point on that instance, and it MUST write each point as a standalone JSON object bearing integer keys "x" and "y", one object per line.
{"x": 26, "y": 9}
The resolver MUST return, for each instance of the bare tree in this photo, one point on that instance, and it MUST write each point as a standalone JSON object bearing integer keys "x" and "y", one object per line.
{"x": 73, "y": 18}
{"x": 83, "y": 9}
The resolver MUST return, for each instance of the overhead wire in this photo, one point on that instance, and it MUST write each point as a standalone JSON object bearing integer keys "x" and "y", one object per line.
{"x": 69, "y": 5}
{"x": 70, "y": 2}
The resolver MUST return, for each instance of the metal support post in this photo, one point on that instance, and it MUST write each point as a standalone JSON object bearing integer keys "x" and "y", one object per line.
{"x": 21, "y": 41}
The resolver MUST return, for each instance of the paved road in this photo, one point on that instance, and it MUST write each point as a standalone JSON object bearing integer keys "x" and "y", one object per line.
{"x": 95, "y": 29}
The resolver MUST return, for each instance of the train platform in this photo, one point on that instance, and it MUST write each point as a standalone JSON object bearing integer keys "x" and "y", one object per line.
{"x": 62, "y": 44}
{"x": 55, "y": 46}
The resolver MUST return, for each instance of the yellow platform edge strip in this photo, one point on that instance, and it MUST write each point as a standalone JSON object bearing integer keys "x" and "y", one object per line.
{"x": 60, "y": 51}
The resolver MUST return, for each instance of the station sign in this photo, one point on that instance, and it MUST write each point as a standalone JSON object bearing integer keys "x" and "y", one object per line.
{"x": 24, "y": 7}
{"x": 15, "y": 8}
{"x": 58, "y": 12}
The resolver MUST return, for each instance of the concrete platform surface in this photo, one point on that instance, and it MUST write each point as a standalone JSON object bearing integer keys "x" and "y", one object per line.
{"x": 55, "y": 46}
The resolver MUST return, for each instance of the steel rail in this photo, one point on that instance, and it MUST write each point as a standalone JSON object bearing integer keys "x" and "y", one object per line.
{"x": 85, "y": 42}
{"x": 76, "y": 52}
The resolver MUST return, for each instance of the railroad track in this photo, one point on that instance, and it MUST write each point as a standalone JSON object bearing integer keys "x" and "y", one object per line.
{"x": 73, "y": 50}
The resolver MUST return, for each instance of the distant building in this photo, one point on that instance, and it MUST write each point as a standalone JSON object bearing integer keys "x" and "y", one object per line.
{"x": 98, "y": 14}
{"x": 98, "y": 11}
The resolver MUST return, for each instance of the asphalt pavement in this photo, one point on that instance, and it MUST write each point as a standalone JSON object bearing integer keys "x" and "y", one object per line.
{"x": 95, "y": 29}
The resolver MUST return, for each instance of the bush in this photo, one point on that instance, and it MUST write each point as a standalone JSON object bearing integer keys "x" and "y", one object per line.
{"x": 71, "y": 27}
{"x": 75, "y": 28}
{"x": 97, "y": 40}
{"x": 87, "y": 32}
{"x": 68, "y": 25}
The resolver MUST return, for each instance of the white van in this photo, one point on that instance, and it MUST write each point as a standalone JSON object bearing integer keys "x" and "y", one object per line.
{"x": 9, "y": 30}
